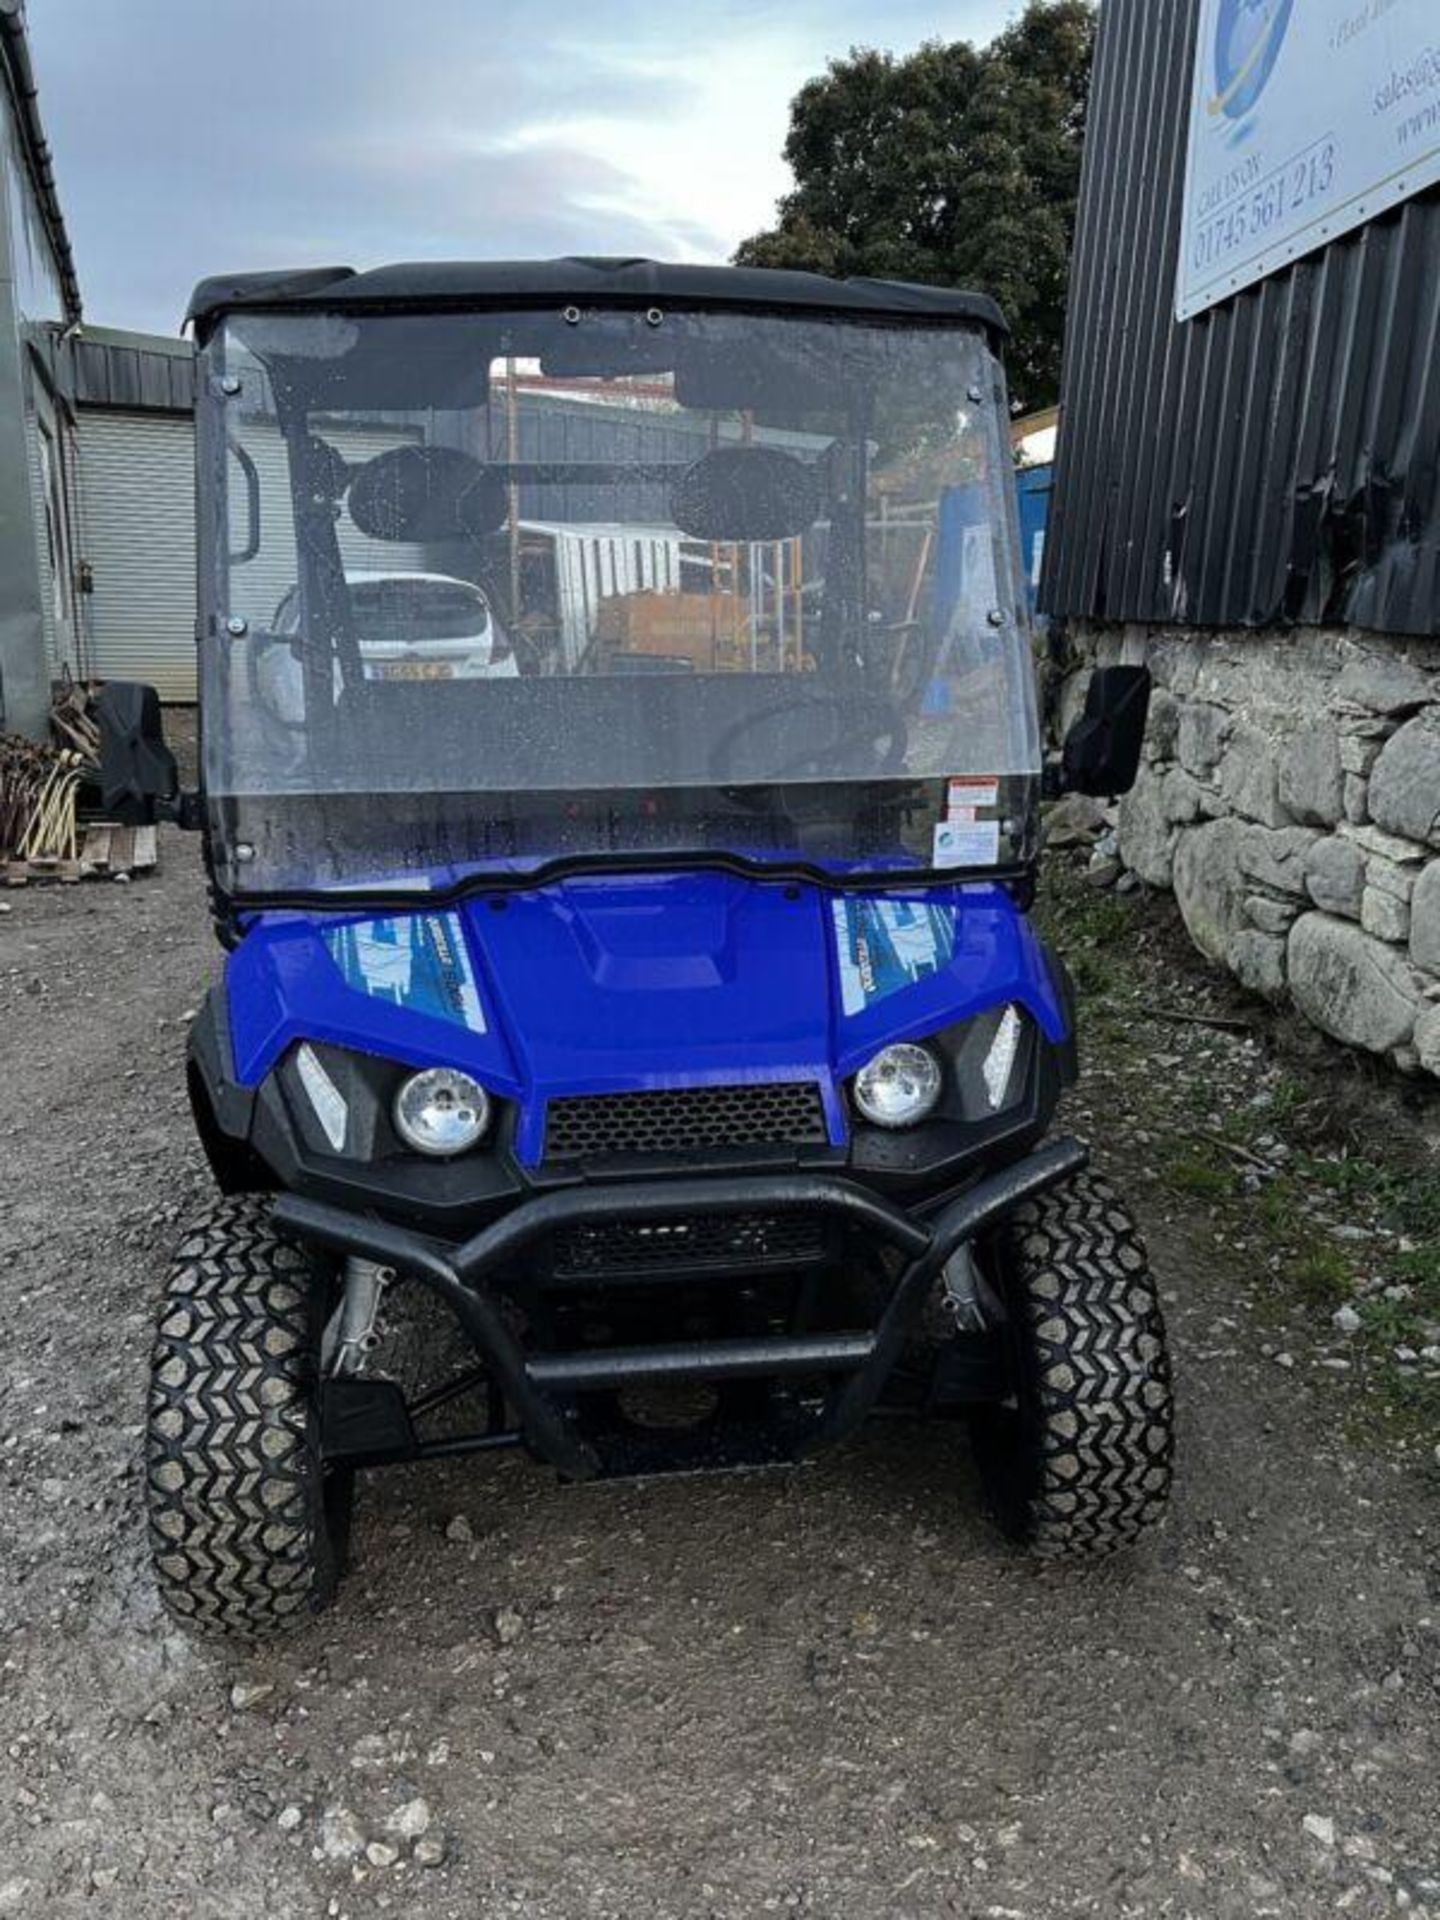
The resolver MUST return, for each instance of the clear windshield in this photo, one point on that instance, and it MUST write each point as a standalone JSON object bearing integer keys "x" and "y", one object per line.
{"x": 488, "y": 590}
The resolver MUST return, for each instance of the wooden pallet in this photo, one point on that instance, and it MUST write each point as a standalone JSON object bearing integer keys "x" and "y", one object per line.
{"x": 107, "y": 852}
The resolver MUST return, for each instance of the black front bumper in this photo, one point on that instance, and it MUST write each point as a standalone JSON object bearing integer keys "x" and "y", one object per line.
{"x": 539, "y": 1386}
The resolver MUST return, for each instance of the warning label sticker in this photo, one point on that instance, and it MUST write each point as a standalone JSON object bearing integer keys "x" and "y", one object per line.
{"x": 970, "y": 793}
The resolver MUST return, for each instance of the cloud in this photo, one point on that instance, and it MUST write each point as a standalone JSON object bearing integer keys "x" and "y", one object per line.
{"x": 196, "y": 138}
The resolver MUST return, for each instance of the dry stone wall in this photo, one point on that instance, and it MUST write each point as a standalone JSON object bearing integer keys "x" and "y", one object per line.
{"x": 1290, "y": 795}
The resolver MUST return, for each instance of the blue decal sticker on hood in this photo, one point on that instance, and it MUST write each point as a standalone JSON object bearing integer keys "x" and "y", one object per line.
{"x": 417, "y": 961}
{"x": 887, "y": 945}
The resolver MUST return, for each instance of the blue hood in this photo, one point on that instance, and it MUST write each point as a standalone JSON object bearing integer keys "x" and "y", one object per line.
{"x": 621, "y": 984}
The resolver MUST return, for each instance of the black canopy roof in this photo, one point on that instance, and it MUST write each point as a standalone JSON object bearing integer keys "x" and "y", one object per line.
{"x": 583, "y": 281}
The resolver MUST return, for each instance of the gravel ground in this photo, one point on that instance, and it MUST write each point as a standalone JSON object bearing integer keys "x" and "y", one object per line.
{"x": 832, "y": 1692}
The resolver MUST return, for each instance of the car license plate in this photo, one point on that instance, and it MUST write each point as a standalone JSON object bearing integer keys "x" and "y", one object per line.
{"x": 415, "y": 670}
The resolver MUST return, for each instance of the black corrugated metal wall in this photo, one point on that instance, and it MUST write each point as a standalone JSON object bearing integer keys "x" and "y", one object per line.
{"x": 1276, "y": 460}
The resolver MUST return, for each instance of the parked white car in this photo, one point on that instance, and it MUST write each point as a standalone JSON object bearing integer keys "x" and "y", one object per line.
{"x": 410, "y": 626}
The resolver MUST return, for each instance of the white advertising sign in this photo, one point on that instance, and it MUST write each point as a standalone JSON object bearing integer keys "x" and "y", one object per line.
{"x": 1309, "y": 117}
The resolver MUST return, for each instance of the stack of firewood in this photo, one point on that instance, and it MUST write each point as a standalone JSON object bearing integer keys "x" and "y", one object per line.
{"x": 40, "y": 782}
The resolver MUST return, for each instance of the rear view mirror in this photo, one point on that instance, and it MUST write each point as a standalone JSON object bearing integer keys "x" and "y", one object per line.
{"x": 746, "y": 493}
{"x": 427, "y": 493}
{"x": 1102, "y": 749}
{"x": 138, "y": 777}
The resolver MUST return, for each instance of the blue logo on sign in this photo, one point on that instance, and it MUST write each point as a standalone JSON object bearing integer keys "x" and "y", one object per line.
{"x": 1248, "y": 39}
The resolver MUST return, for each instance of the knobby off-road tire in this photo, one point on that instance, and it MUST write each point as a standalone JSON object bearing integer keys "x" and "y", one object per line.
{"x": 247, "y": 1530}
{"x": 1080, "y": 1462}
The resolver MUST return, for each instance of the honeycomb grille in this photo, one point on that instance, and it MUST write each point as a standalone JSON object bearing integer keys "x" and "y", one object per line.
{"x": 720, "y": 1241}
{"x": 685, "y": 1120}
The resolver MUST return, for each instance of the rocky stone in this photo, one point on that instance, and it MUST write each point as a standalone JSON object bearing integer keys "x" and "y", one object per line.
{"x": 249, "y": 1693}
{"x": 1335, "y": 877}
{"x": 1103, "y": 871}
{"x": 1364, "y": 726}
{"x": 1073, "y": 690}
{"x": 1312, "y": 778}
{"x": 1387, "y": 846}
{"x": 1388, "y": 877}
{"x": 1258, "y": 962}
{"x": 1427, "y": 1039}
{"x": 1383, "y": 683}
{"x": 1320, "y": 1827}
{"x": 1272, "y": 916}
{"x": 1357, "y": 755}
{"x": 1351, "y": 986}
{"x": 1147, "y": 839}
{"x": 429, "y": 1852}
{"x": 1277, "y": 859}
{"x": 289, "y": 1818}
{"x": 1190, "y": 659}
{"x": 1250, "y": 777}
{"x": 1346, "y": 1320}
{"x": 1384, "y": 916}
{"x": 1201, "y": 737}
{"x": 380, "y": 1853}
{"x": 508, "y": 1625}
{"x": 1185, "y": 798}
{"x": 1405, "y": 786}
{"x": 371, "y": 1753}
{"x": 341, "y": 1835}
{"x": 1210, "y": 890}
{"x": 1162, "y": 733}
{"x": 411, "y": 1820}
{"x": 1425, "y": 919}
{"x": 1074, "y": 821}
{"x": 459, "y": 1530}
{"x": 1357, "y": 799}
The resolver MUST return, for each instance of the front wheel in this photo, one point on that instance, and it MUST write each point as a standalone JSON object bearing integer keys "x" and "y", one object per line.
{"x": 1078, "y": 1461}
{"x": 247, "y": 1528}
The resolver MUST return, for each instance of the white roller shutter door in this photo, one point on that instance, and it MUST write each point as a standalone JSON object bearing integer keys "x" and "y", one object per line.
{"x": 137, "y": 475}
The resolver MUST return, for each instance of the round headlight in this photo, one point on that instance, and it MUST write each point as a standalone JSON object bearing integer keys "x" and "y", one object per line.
{"x": 441, "y": 1111}
{"x": 899, "y": 1087}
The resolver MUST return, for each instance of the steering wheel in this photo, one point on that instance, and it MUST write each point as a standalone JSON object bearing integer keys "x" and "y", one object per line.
{"x": 855, "y": 731}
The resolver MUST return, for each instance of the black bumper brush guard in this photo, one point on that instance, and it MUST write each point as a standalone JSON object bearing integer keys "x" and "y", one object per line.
{"x": 369, "y": 1422}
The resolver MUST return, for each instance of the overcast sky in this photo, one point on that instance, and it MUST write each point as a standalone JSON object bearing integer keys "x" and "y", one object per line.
{"x": 201, "y": 136}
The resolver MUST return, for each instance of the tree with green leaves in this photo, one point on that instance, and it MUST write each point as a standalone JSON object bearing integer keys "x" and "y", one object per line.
{"x": 955, "y": 166}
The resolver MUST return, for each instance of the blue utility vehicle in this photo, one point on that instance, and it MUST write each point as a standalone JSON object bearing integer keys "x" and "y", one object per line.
{"x": 666, "y": 1006}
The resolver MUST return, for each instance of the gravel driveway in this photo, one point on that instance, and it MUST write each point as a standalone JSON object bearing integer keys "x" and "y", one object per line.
{"x": 831, "y": 1692}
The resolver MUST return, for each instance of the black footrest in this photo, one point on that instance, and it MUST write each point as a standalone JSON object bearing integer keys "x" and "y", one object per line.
{"x": 364, "y": 1423}
{"x": 608, "y": 1367}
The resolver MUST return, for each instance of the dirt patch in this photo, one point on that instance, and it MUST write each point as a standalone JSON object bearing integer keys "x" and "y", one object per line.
{"x": 829, "y": 1692}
